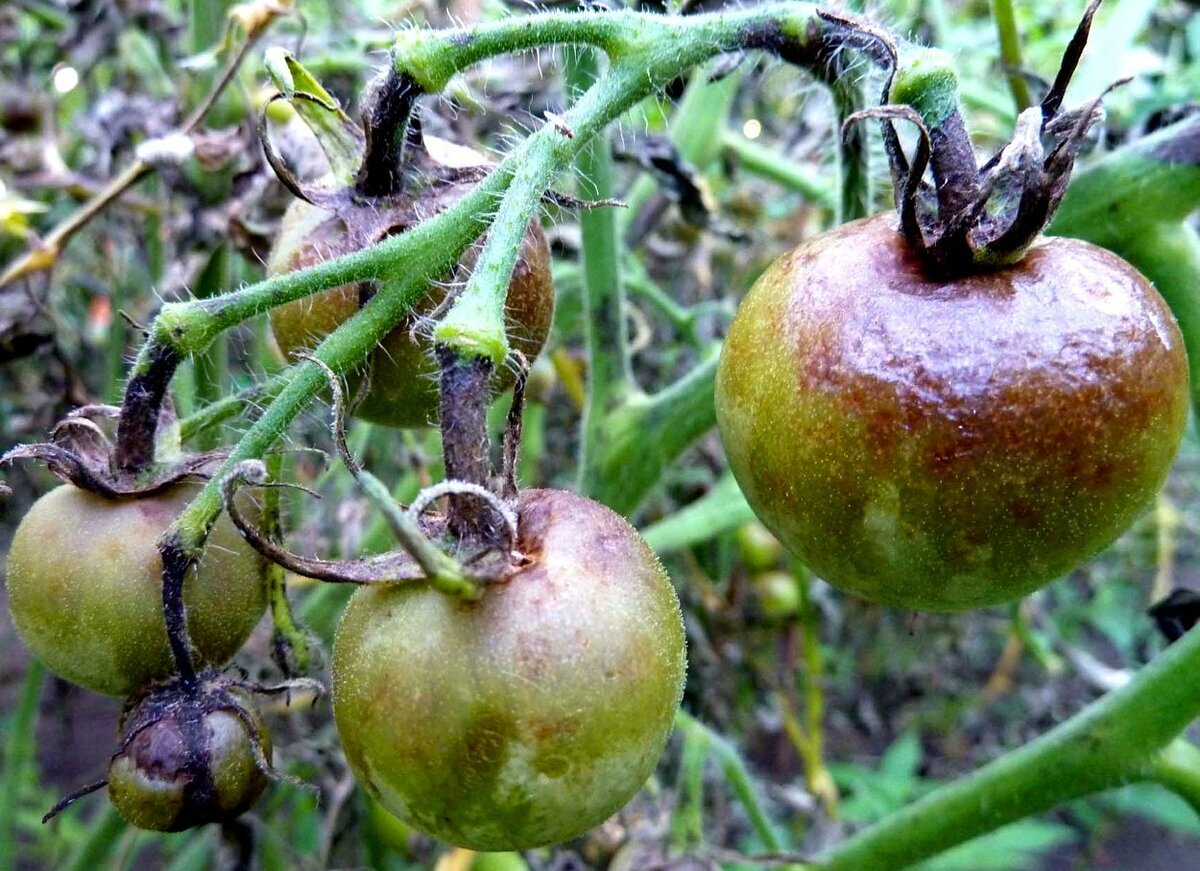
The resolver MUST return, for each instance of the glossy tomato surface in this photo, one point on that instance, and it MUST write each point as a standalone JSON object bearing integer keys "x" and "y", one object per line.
{"x": 85, "y": 588}
{"x": 531, "y": 715}
{"x": 404, "y": 385}
{"x": 948, "y": 445}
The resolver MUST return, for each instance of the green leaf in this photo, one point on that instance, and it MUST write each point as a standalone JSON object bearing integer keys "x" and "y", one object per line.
{"x": 339, "y": 137}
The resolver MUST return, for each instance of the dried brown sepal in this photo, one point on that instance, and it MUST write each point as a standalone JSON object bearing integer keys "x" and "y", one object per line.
{"x": 80, "y": 453}
{"x": 980, "y": 218}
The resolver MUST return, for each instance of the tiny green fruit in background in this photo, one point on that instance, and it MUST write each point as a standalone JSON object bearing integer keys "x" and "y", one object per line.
{"x": 85, "y": 588}
{"x": 758, "y": 548}
{"x": 945, "y": 445}
{"x": 777, "y": 594}
{"x": 531, "y": 715}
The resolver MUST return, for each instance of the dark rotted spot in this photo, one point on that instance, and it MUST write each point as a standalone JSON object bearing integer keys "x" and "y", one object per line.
{"x": 1025, "y": 513}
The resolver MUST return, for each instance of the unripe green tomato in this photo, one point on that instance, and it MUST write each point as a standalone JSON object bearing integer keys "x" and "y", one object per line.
{"x": 163, "y": 783}
{"x": 778, "y": 596}
{"x": 404, "y": 373}
{"x": 85, "y": 588}
{"x": 945, "y": 445}
{"x": 499, "y": 862}
{"x": 528, "y": 716}
{"x": 758, "y": 548}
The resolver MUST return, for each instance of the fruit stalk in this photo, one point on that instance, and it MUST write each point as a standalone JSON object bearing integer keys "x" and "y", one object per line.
{"x": 388, "y": 122}
{"x": 464, "y": 398}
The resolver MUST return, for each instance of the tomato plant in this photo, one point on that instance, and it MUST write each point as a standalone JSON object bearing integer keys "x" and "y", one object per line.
{"x": 949, "y": 444}
{"x": 531, "y": 715}
{"x": 940, "y": 410}
{"x": 85, "y": 588}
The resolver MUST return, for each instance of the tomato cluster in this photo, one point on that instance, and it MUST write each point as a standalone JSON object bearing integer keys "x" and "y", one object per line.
{"x": 927, "y": 416}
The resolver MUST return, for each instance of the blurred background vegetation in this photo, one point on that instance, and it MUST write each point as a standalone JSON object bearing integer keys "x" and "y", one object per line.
{"x": 838, "y": 711}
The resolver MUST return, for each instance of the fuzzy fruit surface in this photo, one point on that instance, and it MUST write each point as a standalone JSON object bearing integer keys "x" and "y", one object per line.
{"x": 85, "y": 588}
{"x": 531, "y": 715}
{"x": 175, "y": 775}
{"x": 404, "y": 374}
{"x": 949, "y": 445}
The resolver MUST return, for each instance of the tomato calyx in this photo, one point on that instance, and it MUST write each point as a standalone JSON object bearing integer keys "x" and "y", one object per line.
{"x": 479, "y": 527}
{"x": 975, "y": 218}
{"x": 79, "y": 452}
{"x": 177, "y": 767}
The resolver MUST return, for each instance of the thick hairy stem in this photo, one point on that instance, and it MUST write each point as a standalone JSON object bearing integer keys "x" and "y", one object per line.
{"x": 177, "y": 562}
{"x": 144, "y": 395}
{"x": 464, "y": 401}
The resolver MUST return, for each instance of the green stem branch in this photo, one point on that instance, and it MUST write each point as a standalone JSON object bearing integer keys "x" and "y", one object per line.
{"x": 1116, "y": 740}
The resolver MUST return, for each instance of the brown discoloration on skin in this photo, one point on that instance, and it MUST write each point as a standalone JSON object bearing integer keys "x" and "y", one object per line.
{"x": 532, "y": 714}
{"x": 948, "y": 445}
{"x": 403, "y": 369}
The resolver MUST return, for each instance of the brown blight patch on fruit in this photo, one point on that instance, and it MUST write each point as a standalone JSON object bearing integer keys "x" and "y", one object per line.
{"x": 949, "y": 445}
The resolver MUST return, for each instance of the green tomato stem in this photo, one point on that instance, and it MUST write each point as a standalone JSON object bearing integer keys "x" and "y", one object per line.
{"x": 687, "y": 821}
{"x": 1178, "y": 769}
{"x": 738, "y": 777}
{"x": 722, "y": 509}
{"x": 645, "y": 434}
{"x": 228, "y": 407}
{"x": 609, "y": 376}
{"x": 1010, "y": 51}
{"x": 19, "y": 757}
{"x": 1116, "y": 740}
{"x": 290, "y": 647}
{"x": 769, "y": 164}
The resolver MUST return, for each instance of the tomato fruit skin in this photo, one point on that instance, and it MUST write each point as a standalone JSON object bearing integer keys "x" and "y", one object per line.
{"x": 404, "y": 373}
{"x": 949, "y": 445}
{"x": 85, "y": 588}
{"x": 531, "y": 715}
{"x": 153, "y": 782}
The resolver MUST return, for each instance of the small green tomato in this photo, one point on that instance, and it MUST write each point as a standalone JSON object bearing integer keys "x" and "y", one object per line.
{"x": 85, "y": 588}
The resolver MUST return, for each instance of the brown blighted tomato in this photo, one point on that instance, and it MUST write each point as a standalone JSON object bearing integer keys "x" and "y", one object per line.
{"x": 404, "y": 382}
{"x": 85, "y": 588}
{"x": 945, "y": 445}
{"x": 188, "y": 764}
{"x": 526, "y": 717}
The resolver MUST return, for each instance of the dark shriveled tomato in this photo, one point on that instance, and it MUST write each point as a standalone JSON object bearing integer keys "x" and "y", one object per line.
{"x": 948, "y": 445}
{"x": 531, "y": 715}
{"x": 188, "y": 767}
